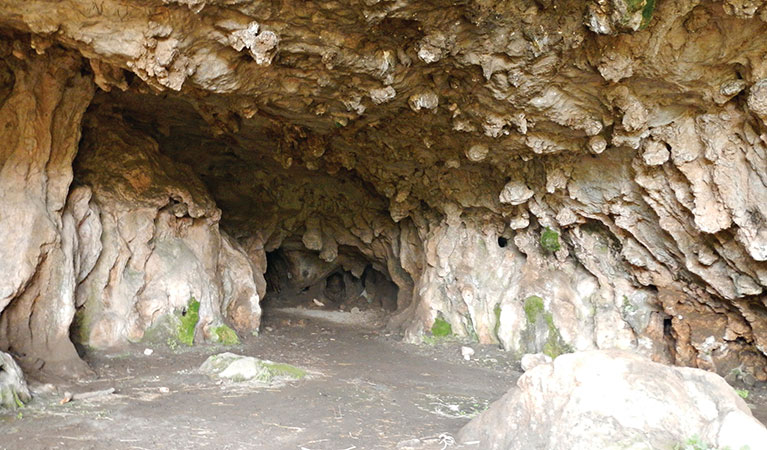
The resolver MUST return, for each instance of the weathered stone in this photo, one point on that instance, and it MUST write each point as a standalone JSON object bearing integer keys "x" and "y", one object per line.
{"x": 40, "y": 127}
{"x": 614, "y": 399}
{"x": 350, "y": 125}
{"x": 13, "y": 387}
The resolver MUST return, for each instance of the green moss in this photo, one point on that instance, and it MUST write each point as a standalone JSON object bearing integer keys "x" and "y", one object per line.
{"x": 647, "y": 12}
{"x": 226, "y": 335}
{"x": 20, "y": 404}
{"x": 646, "y": 6}
{"x": 441, "y": 328}
{"x": 628, "y": 307}
{"x": 189, "y": 321}
{"x": 533, "y": 308}
{"x": 284, "y": 370}
{"x": 696, "y": 443}
{"x": 535, "y": 311}
{"x": 742, "y": 393}
{"x": 550, "y": 240}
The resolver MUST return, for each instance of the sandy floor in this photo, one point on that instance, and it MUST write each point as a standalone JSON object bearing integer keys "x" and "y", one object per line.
{"x": 368, "y": 391}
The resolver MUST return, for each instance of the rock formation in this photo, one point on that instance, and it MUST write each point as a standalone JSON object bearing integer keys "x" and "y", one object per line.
{"x": 550, "y": 176}
{"x": 615, "y": 399}
{"x": 13, "y": 388}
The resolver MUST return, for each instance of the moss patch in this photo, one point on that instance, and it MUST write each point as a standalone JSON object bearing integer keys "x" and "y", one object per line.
{"x": 646, "y": 6}
{"x": 284, "y": 370}
{"x": 647, "y": 11}
{"x": 535, "y": 312}
{"x": 550, "y": 240}
{"x": 441, "y": 328}
{"x": 533, "y": 308}
{"x": 226, "y": 335}
{"x": 189, "y": 321}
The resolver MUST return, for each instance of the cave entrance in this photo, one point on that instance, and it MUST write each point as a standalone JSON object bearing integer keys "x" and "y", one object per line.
{"x": 298, "y": 278}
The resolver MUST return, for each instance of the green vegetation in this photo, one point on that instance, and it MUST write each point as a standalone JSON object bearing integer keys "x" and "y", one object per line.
{"x": 535, "y": 311}
{"x": 284, "y": 370}
{"x": 550, "y": 240}
{"x": 647, "y": 11}
{"x": 19, "y": 403}
{"x": 696, "y": 443}
{"x": 533, "y": 308}
{"x": 441, "y": 328}
{"x": 743, "y": 393}
{"x": 646, "y": 6}
{"x": 189, "y": 321}
{"x": 628, "y": 307}
{"x": 226, "y": 335}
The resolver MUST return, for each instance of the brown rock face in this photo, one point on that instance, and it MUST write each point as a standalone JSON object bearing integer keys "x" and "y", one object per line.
{"x": 44, "y": 100}
{"x": 550, "y": 176}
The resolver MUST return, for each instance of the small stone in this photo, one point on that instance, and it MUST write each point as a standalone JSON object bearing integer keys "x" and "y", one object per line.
{"x": 477, "y": 152}
{"x": 732, "y": 87}
{"x": 382, "y": 95}
{"x": 148, "y": 351}
{"x": 423, "y": 100}
{"x": 355, "y": 310}
{"x": 164, "y": 390}
{"x": 515, "y": 193}
{"x": 655, "y": 153}
{"x": 597, "y": 144}
{"x": 467, "y": 353}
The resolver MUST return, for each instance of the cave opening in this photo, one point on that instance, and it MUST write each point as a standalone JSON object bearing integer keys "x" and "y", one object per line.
{"x": 299, "y": 278}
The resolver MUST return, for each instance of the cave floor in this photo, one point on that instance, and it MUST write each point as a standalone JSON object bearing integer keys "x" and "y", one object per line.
{"x": 369, "y": 391}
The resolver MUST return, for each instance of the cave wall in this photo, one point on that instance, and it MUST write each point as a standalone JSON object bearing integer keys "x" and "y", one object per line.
{"x": 419, "y": 133}
{"x": 159, "y": 244}
{"x": 43, "y": 101}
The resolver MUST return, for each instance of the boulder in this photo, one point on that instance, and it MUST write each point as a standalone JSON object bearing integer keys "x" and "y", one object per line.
{"x": 237, "y": 368}
{"x": 615, "y": 399}
{"x": 13, "y": 388}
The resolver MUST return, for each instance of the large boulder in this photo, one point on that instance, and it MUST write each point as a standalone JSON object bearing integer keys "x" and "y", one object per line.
{"x": 13, "y": 388}
{"x": 615, "y": 399}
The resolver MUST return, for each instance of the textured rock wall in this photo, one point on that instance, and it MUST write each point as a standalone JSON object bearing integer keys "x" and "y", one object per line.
{"x": 43, "y": 101}
{"x": 159, "y": 244}
{"x": 418, "y": 133}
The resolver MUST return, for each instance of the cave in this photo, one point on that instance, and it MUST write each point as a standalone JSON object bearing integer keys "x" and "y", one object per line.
{"x": 431, "y": 182}
{"x": 298, "y": 277}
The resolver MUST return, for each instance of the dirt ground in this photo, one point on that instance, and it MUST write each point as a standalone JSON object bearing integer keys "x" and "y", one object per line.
{"x": 367, "y": 390}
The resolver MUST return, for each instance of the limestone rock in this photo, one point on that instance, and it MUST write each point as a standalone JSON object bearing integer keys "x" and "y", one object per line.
{"x": 37, "y": 236}
{"x": 13, "y": 387}
{"x": 161, "y": 245}
{"x": 530, "y": 361}
{"x": 613, "y": 399}
{"x": 363, "y": 127}
{"x": 238, "y": 368}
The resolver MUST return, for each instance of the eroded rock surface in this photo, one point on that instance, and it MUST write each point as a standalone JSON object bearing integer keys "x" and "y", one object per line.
{"x": 614, "y": 399}
{"x": 551, "y": 176}
{"x": 158, "y": 244}
{"x": 13, "y": 387}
